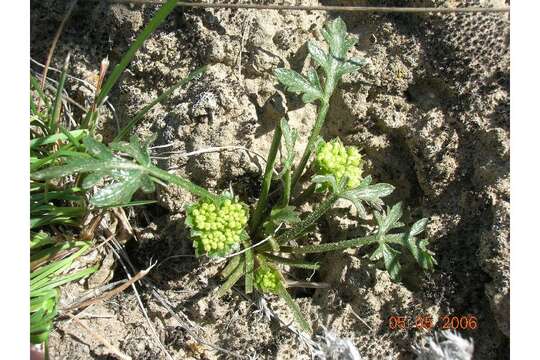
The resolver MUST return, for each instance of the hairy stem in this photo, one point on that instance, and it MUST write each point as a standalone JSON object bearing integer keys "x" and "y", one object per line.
{"x": 263, "y": 199}
{"x": 180, "y": 181}
{"x": 341, "y": 245}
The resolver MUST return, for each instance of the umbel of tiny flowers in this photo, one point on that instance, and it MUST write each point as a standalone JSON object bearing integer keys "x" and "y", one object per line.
{"x": 267, "y": 280}
{"x": 333, "y": 158}
{"x": 217, "y": 226}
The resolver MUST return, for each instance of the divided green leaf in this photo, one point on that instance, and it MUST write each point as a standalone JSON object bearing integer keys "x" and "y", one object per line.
{"x": 335, "y": 34}
{"x": 367, "y": 193}
{"x": 125, "y": 176}
{"x": 294, "y": 82}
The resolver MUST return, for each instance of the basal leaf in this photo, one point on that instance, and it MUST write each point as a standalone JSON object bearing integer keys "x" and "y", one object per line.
{"x": 72, "y": 167}
{"x": 278, "y": 215}
{"x": 134, "y": 148}
{"x": 147, "y": 185}
{"x": 119, "y": 192}
{"x": 391, "y": 218}
{"x": 289, "y": 137}
{"x": 287, "y": 215}
{"x": 92, "y": 179}
{"x": 324, "y": 182}
{"x": 97, "y": 149}
{"x": 313, "y": 78}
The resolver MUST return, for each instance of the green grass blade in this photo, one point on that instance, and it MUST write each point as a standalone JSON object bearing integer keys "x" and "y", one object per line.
{"x": 40, "y": 239}
{"x": 54, "y": 120}
{"x": 125, "y": 131}
{"x": 51, "y": 139}
{"x": 158, "y": 18}
{"x": 65, "y": 279}
{"x": 297, "y": 313}
{"x": 250, "y": 263}
{"x": 72, "y": 194}
{"x": 35, "y": 85}
{"x": 131, "y": 203}
{"x": 38, "y": 277}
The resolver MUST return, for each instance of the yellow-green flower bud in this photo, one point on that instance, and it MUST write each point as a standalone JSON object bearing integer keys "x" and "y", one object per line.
{"x": 333, "y": 158}
{"x": 267, "y": 280}
{"x": 218, "y": 226}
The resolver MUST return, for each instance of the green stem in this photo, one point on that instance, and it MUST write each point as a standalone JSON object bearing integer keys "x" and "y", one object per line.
{"x": 321, "y": 117}
{"x": 286, "y": 188}
{"x": 250, "y": 266}
{"x": 301, "y": 227}
{"x": 231, "y": 266}
{"x": 180, "y": 181}
{"x": 231, "y": 280}
{"x": 263, "y": 199}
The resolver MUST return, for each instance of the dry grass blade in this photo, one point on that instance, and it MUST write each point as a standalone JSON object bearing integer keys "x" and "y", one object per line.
{"x": 113, "y": 349}
{"x": 53, "y": 46}
{"x": 95, "y": 292}
{"x": 113, "y": 292}
{"x": 124, "y": 260}
{"x": 116, "y": 248}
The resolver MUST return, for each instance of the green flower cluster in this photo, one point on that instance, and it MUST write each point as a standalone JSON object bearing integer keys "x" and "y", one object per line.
{"x": 333, "y": 158}
{"x": 267, "y": 279}
{"x": 218, "y": 227}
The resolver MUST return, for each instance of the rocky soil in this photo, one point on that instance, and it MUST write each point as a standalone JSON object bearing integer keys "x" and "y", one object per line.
{"x": 430, "y": 112}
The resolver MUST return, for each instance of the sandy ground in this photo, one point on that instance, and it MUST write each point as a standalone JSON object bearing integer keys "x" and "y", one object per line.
{"x": 430, "y": 112}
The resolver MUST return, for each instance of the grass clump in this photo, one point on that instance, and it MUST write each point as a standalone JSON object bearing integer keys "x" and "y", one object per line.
{"x": 59, "y": 202}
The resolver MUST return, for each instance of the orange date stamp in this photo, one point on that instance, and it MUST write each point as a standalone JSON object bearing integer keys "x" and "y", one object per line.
{"x": 425, "y": 322}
